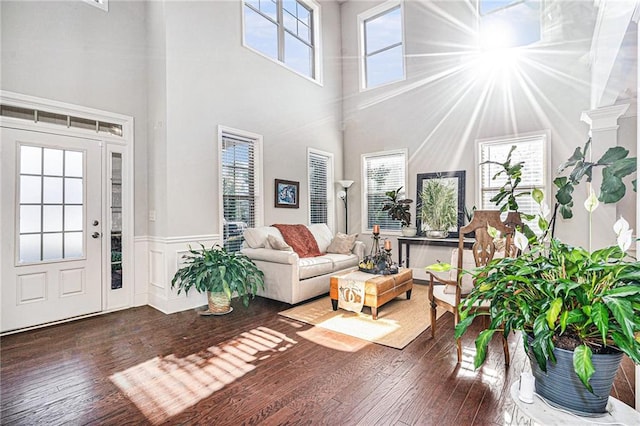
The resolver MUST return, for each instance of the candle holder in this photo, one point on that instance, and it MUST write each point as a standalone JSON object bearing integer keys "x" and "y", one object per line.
{"x": 378, "y": 261}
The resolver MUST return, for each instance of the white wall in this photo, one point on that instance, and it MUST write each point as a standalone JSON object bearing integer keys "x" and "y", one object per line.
{"x": 448, "y": 101}
{"x": 73, "y": 52}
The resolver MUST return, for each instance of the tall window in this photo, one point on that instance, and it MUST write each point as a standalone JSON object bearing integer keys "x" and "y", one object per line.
{"x": 320, "y": 166}
{"x": 533, "y": 151}
{"x": 381, "y": 44}
{"x": 508, "y": 23}
{"x": 382, "y": 172}
{"x": 238, "y": 168}
{"x": 283, "y": 30}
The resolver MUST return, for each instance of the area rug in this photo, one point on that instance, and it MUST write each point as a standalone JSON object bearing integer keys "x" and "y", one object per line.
{"x": 399, "y": 321}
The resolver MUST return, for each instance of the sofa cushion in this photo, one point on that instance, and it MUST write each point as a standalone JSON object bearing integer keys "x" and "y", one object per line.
{"x": 342, "y": 243}
{"x": 300, "y": 239}
{"x": 342, "y": 261}
{"x": 276, "y": 243}
{"x": 314, "y": 266}
{"x": 257, "y": 237}
{"x": 322, "y": 234}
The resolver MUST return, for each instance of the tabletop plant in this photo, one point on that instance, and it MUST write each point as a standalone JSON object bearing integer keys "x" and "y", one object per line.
{"x": 439, "y": 205}
{"x": 563, "y": 296}
{"x": 397, "y": 208}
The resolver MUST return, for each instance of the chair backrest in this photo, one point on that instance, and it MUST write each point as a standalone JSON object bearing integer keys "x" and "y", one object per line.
{"x": 484, "y": 248}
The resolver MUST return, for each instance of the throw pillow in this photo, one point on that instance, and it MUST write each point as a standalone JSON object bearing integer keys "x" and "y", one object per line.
{"x": 342, "y": 243}
{"x": 276, "y": 243}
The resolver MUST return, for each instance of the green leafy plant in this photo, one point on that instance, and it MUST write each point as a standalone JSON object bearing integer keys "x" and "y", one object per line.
{"x": 396, "y": 208}
{"x": 615, "y": 166}
{"x": 563, "y": 296}
{"x": 216, "y": 270}
{"x": 439, "y": 209}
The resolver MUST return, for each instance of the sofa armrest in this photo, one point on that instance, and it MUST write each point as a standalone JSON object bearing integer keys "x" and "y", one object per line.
{"x": 359, "y": 249}
{"x": 269, "y": 255}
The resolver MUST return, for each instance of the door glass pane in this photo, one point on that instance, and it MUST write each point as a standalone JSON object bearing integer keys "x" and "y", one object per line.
{"x": 52, "y": 190}
{"x": 52, "y": 246}
{"x": 53, "y": 162}
{"x": 116, "y": 221}
{"x": 30, "y": 248}
{"x": 72, "y": 244}
{"x": 51, "y": 202}
{"x": 30, "y": 160}
{"x": 73, "y": 164}
{"x": 73, "y": 191}
{"x": 30, "y": 187}
{"x": 30, "y": 219}
{"x": 73, "y": 218}
{"x": 52, "y": 219}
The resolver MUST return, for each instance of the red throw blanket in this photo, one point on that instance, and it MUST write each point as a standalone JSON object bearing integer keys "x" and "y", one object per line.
{"x": 300, "y": 239}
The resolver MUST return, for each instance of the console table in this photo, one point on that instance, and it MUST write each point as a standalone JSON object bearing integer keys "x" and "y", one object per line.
{"x": 407, "y": 242}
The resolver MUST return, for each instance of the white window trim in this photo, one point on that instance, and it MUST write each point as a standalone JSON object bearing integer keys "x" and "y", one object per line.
{"x": 317, "y": 46}
{"x": 331, "y": 209}
{"x": 362, "y": 69}
{"x": 504, "y": 140}
{"x": 100, "y": 4}
{"x": 259, "y": 194}
{"x": 365, "y": 189}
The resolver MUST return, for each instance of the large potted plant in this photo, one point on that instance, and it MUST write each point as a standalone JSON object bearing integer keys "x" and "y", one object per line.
{"x": 399, "y": 209}
{"x": 439, "y": 211}
{"x": 220, "y": 274}
{"x": 575, "y": 308}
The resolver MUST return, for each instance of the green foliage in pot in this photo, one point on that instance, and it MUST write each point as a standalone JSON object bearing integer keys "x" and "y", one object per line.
{"x": 439, "y": 210}
{"x": 216, "y": 270}
{"x": 562, "y": 296}
{"x": 615, "y": 166}
{"x": 396, "y": 208}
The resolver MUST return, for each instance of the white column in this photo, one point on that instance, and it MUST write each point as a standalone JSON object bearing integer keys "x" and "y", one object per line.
{"x": 604, "y": 135}
{"x": 636, "y": 19}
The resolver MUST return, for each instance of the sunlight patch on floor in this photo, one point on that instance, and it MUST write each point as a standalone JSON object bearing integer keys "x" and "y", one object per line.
{"x": 166, "y": 385}
{"x": 487, "y": 375}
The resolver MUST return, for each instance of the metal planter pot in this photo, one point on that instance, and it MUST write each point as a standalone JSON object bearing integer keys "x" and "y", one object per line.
{"x": 561, "y": 387}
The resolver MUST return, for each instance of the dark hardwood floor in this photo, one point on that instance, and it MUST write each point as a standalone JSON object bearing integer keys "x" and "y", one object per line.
{"x": 252, "y": 366}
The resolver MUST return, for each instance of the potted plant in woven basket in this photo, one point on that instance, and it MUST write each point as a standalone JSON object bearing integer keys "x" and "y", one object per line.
{"x": 578, "y": 310}
{"x": 221, "y": 274}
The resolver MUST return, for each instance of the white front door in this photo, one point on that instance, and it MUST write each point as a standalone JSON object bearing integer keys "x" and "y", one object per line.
{"x": 51, "y": 228}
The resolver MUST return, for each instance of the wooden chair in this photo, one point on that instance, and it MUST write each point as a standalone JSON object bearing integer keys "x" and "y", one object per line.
{"x": 447, "y": 290}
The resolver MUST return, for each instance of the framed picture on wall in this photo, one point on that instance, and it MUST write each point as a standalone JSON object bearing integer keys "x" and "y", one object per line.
{"x": 438, "y": 192}
{"x": 287, "y": 193}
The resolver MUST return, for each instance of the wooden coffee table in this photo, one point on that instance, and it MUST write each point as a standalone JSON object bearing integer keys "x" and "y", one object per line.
{"x": 379, "y": 289}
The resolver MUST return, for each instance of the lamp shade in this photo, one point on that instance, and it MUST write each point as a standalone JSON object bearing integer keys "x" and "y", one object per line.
{"x": 345, "y": 183}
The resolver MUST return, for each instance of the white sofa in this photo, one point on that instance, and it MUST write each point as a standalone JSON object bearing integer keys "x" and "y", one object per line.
{"x": 289, "y": 278}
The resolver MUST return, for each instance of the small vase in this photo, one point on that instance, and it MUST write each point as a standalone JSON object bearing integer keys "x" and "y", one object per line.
{"x": 434, "y": 233}
{"x": 409, "y": 231}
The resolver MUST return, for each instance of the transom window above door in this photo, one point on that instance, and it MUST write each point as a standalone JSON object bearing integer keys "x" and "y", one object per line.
{"x": 285, "y": 31}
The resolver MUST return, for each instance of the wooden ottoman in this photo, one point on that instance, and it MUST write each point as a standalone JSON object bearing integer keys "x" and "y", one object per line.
{"x": 379, "y": 289}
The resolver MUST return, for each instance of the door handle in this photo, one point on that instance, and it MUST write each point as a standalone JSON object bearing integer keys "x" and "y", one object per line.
{"x": 95, "y": 235}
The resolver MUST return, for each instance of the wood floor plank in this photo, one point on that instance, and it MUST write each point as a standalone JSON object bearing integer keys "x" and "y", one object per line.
{"x": 140, "y": 366}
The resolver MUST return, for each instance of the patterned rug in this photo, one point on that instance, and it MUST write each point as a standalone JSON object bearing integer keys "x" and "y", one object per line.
{"x": 399, "y": 321}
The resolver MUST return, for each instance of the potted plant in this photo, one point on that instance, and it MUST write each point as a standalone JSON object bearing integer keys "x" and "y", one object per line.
{"x": 221, "y": 274}
{"x": 398, "y": 209}
{"x": 576, "y": 309}
{"x": 438, "y": 212}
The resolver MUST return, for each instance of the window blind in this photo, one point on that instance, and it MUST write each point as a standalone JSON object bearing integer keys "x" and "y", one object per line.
{"x": 531, "y": 151}
{"x": 383, "y": 172}
{"x": 238, "y": 188}
{"x": 318, "y": 188}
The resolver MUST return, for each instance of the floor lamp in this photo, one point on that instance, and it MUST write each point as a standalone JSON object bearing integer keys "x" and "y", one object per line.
{"x": 345, "y": 184}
